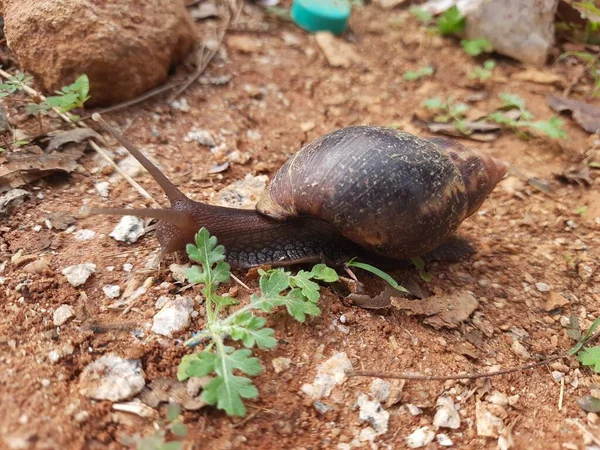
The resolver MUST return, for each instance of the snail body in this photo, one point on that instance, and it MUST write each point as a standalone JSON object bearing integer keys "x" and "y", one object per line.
{"x": 353, "y": 192}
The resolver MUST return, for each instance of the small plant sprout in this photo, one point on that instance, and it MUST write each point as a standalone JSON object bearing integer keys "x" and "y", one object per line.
{"x": 582, "y": 210}
{"x": 587, "y": 356}
{"x": 483, "y": 72}
{"x": 14, "y": 84}
{"x": 158, "y": 440}
{"x": 451, "y": 22}
{"x": 451, "y": 112}
{"x": 420, "y": 265}
{"x": 377, "y": 272}
{"x": 419, "y": 73}
{"x": 476, "y": 47}
{"x": 229, "y": 365}
{"x": 68, "y": 98}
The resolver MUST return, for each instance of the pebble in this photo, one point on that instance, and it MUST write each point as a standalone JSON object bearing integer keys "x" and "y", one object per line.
{"x": 367, "y": 434}
{"x": 497, "y": 398}
{"x": 129, "y": 229}
{"x": 372, "y": 412}
{"x": 555, "y": 301}
{"x": 380, "y": 389}
{"x": 413, "y": 409}
{"x": 84, "y": 235}
{"x": 488, "y": 425}
{"x": 173, "y": 317}
{"x": 79, "y": 273}
{"x": 178, "y": 271}
{"x": 54, "y": 356}
{"x": 112, "y": 290}
{"x": 329, "y": 374}
{"x": 180, "y": 105}
{"x": 102, "y": 188}
{"x": 420, "y": 437}
{"x": 127, "y": 267}
{"x": 130, "y": 166}
{"x": 444, "y": 440}
{"x": 543, "y": 287}
{"x": 519, "y": 350}
{"x": 63, "y": 314}
{"x": 38, "y": 266}
{"x": 446, "y": 415}
{"x": 280, "y": 364}
{"x": 243, "y": 193}
{"x": 202, "y": 137}
{"x": 321, "y": 407}
{"x": 45, "y": 382}
{"x": 161, "y": 301}
{"x": 81, "y": 416}
{"x": 112, "y": 378}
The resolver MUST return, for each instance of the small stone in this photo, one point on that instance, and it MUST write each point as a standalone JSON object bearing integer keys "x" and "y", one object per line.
{"x": 413, "y": 410}
{"x": 488, "y": 425}
{"x": 178, "y": 272}
{"x": 380, "y": 389}
{"x": 280, "y": 364}
{"x": 195, "y": 385}
{"x": 161, "y": 301}
{"x": 329, "y": 374}
{"x": 555, "y": 301}
{"x": 127, "y": 267}
{"x": 129, "y": 229}
{"x": 321, "y": 407}
{"x": 243, "y": 193}
{"x": 497, "y": 398}
{"x": 79, "y": 273}
{"x": 112, "y": 378}
{"x": 202, "y": 137}
{"x": 367, "y": 435}
{"x": 173, "y": 317}
{"x": 112, "y": 290}
{"x": 62, "y": 314}
{"x": 38, "y": 266}
{"x": 45, "y": 382}
{"x": 84, "y": 235}
{"x": 420, "y": 437}
{"x": 81, "y": 416}
{"x": 54, "y": 356}
{"x": 444, "y": 440}
{"x": 373, "y": 413}
{"x": 180, "y": 105}
{"x": 244, "y": 44}
{"x": 337, "y": 52}
{"x": 543, "y": 287}
{"x": 102, "y": 188}
{"x": 446, "y": 415}
{"x": 519, "y": 350}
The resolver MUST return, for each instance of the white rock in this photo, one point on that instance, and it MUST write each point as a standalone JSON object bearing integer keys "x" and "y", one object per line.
{"x": 420, "y": 437}
{"x": 129, "y": 229}
{"x": 81, "y": 416}
{"x": 372, "y": 412}
{"x": 79, "y": 273}
{"x": 102, "y": 188}
{"x": 497, "y": 398}
{"x": 488, "y": 425}
{"x": 127, "y": 267}
{"x": 54, "y": 356}
{"x": 413, "y": 409}
{"x": 112, "y": 290}
{"x": 62, "y": 314}
{"x": 543, "y": 287}
{"x": 173, "y": 317}
{"x": 161, "y": 301}
{"x": 202, "y": 137}
{"x": 84, "y": 235}
{"x": 380, "y": 389}
{"x": 243, "y": 193}
{"x": 329, "y": 374}
{"x": 45, "y": 382}
{"x": 444, "y": 440}
{"x": 367, "y": 434}
{"x": 112, "y": 378}
{"x": 446, "y": 415}
{"x": 280, "y": 364}
{"x": 130, "y": 166}
{"x": 519, "y": 350}
{"x": 180, "y": 105}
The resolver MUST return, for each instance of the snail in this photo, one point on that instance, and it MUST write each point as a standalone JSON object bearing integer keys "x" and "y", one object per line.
{"x": 359, "y": 191}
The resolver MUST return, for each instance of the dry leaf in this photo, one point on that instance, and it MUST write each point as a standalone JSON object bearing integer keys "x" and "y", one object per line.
{"x": 336, "y": 51}
{"x": 60, "y": 138}
{"x": 480, "y": 131}
{"x": 586, "y": 115}
{"x": 12, "y": 199}
{"x": 442, "y": 310}
{"x": 538, "y": 76}
{"x": 579, "y": 174}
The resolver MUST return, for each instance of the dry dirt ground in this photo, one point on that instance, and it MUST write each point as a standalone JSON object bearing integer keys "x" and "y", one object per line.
{"x": 523, "y": 237}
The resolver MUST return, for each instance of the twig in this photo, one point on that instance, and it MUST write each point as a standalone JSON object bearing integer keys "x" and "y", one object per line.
{"x": 205, "y": 59}
{"x": 561, "y": 396}
{"x": 95, "y": 146}
{"x": 240, "y": 282}
{"x": 245, "y": 420}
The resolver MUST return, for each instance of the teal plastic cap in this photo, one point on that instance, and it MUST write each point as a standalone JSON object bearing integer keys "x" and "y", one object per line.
{"x": 321, "y": 15}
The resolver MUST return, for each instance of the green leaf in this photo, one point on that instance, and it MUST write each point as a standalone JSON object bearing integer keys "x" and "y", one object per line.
{"x": 434, "y": 103}
{"x": 206, "y": 251}
{"x": 174, "y": 445}
{"x": 274, "y": 282}
{"x": 590, "y": 357}
{"x": 415, "y": 75}
{"x": 197, "y": 365}
{"x": 378, "y": 272}
{"x": 309, "y": 288}
{"x": 250, "y": 330}
{"x": 421, "y": 14}
{"x": 582, "y": 210}
{"x": 489, "y": 64}
{"x": 179, "y": 429}
{"x": 298, "y": 307}
{"x": 553, "y": 128}
{"x": 451, "y": 21}
{"x": 195, "y": 275}
{"x": 173, "y": 411}
{"x": 418, "y": 263}
{"x": 237, "y": 360}
{"x": 476, "y": 47}
{"x": 324, "y": 273}
{"x": 221, "y": 273}
{"x": 227, "y": 393}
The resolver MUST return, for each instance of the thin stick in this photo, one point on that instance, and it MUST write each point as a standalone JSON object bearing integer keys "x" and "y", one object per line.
{"x": 562, "y": 393}
{"x": 95, "y": 146}
{"x": 240, "y": 282}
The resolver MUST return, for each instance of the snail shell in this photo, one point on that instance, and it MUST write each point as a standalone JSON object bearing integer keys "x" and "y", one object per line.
{"x": 388, "y": 191}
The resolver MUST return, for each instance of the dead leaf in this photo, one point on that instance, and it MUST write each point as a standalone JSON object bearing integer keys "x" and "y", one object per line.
{"x": 442, "y": 310}
{"x": 480, "y": 131}
{"x": 586, "y": 115}
{"x": 60, "y": 138}
{"x": 589, "y": 404}
{"x": 538, "y": 76}
{"x": 31, "y": 164}
{"x": 580, "y": 175}
{"x": 379, "y": 301}
{"x": 12, "y": 199}
{"x": 336, "y": 51}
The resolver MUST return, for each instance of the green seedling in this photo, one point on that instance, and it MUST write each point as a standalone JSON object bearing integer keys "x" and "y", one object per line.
{"x": 231, "y": 366}
{"x": 553, "y": 127}
{"x": 377, "y": 272}
{"x": 450, "y": 112}
{"x": 582, "y": 210}
{"x": 158, "y": 440}
{"x": 484, "y": 72}
{"x": 420, "y": 265}
{"x": 419, "y": 73}
{"x": 451, "y": 22}
{"x": 476, "y": 47}
{"x": 14, "y": 84}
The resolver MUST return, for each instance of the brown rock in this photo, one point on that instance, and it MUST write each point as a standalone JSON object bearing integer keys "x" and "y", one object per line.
{"x": 125, "y": 48}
